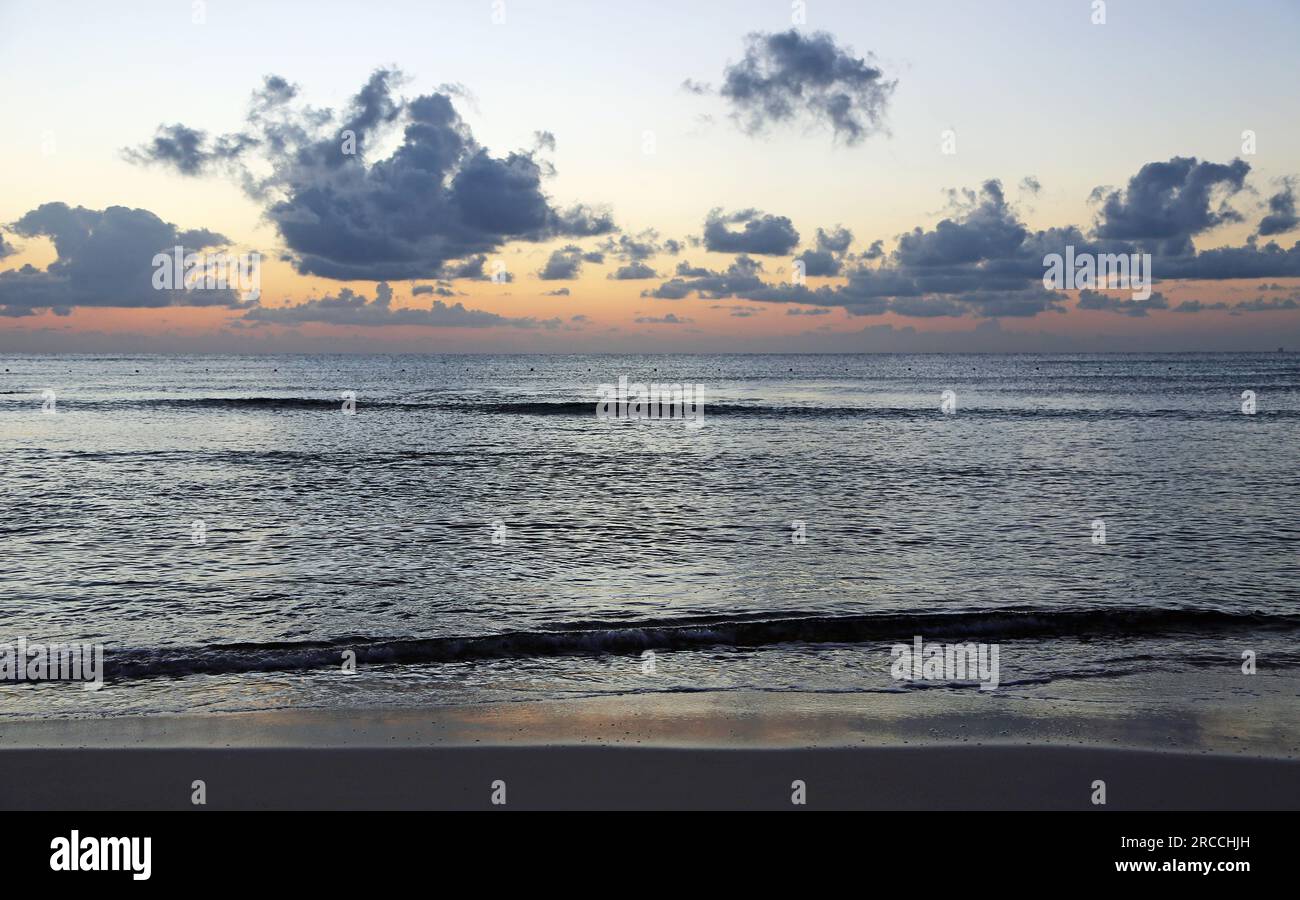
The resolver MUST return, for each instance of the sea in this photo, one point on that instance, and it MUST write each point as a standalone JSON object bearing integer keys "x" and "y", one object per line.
{"x": 353, "y": 531}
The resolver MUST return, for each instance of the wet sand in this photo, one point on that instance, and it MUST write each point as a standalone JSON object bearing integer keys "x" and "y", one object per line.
{"x": 709, "y": 750}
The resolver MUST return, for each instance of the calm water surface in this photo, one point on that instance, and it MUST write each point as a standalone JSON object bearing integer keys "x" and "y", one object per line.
{"x": 374, "y": 532}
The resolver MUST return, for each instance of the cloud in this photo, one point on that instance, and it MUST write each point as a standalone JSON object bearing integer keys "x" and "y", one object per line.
{"x": 438, "y": 198}
{"x": 819, "y": 263}
{"x": 190, "y": 151}
{"x": 741, "y": 312}
{"x": 442, "y": 289}
{"x": 558, "y": 292}
{"x": 828, "y": 258}
{"x": 669, "y": 319}
{"x": 1224, "y": 263}
{"x": 982, "y": 260}
{"x": 633, "y": 271}
{"x": 1267, "y": 304}
{"x": 762, "y": 234}
{"x": 1137, "y": 308}
{"x": 639, "y": 247}
{"x": 739, "y": 279}
{"x": 562, "y": 264}
{"x": 1281, "y": 217}
{"x": 988, "y": 229}
{"x": 1167, "y": 203}
{"x": 544, "y": 140}
{"x": 686, "y": 270}
{"x": 1259, "y": 304}
{"x": 349, "y": 308}
{"x": 837, "y": 240}
{"x": 473, "y": 269}
{"x": 874, "y": 252}
{"x": 566, "y": 263}
{"x": 788, "y": 76}
{"x": 105, "y": 259}
{"x": 1195, "y": 306}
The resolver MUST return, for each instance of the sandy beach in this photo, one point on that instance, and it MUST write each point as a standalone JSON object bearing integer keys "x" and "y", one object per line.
{"x": 709, "y": 750}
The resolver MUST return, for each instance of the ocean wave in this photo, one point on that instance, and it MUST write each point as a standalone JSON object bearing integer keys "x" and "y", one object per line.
{"x": 663, "y": 635}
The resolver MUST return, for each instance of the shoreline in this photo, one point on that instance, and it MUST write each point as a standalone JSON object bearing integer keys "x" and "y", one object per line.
{"x": 1265, "y": 727}
{"x": 705, "y": 750}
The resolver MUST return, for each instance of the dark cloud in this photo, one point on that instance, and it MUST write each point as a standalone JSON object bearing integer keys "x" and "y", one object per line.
{"x": 962, "y": 291}
{"x": 982, "y": 260}
{"x": 1281, "y": 216}
{"x": 819, "y": 263}
{"x": 1195, "y": 306}
{"x": 828, "y": 258}
{"x": 581, "y": 220}
{"x": 874, "y": 252}
{"x": 1259, "y": 304}
{"x": 741, "y": 312}
{"x": 349, "y": 308}
{"x": 6, "y": 249}
{"x": 273, "y": 92}
{"x": 788, "y": 76}
{"x": 104, "y": 258}
{"x": 633, "y": 271}
{"x": 561, "y": 266}
{"x": 1267, "y": 304}
{"x": 741, "y": 278}
{"x": 669, "y": 319}
{"x": 473, "y": 269}
{"x": 686, "y": 270}
{"x": 1224, "y": 263}
{"x": 926, "y": 307}
{"x": 1125, "y": 305}
{"x": 470, "y": 269}
{"x": 440, "y": 290}
{"x": 438, "y": 198}
{"x": 639, "y": 247}
{"x": 190, "y": 151}
{"x": 762, "y": 234}
{"x": 837, "y": 240}
{"x": 558, "y": 292}
{"x": 989, "y": 229}
{"x": 566, "y": 263}
{"x": 1167, "y": 203}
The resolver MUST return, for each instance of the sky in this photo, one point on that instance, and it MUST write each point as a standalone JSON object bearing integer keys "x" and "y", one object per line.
{"x": 518, "y": 176}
